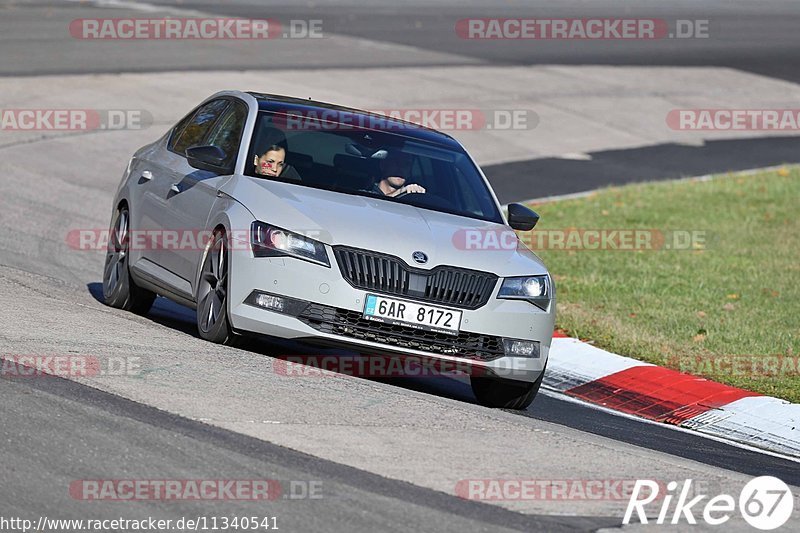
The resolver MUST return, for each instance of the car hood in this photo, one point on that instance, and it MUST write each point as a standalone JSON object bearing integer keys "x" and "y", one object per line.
{"x": 385, "y": 226}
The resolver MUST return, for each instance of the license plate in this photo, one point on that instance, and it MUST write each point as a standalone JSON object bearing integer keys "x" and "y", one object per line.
{"x": 412, "y": 314}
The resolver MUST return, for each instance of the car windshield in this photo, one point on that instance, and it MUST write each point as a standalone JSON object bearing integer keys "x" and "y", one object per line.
{"x": 384, "y": 164}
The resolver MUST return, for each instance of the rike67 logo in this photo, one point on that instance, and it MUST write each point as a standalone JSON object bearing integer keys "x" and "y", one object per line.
{"x": 765, "y": 503}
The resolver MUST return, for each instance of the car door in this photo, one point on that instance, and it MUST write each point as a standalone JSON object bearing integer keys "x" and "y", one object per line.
{"x": 194, "y": 192}
{"x": 160, "y": 170}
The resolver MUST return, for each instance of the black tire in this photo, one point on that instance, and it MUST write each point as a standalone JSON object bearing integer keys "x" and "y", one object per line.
{"x": 119, "y": 289}
{"x": 505, "y": 393}
{"x": 212, "y": 294}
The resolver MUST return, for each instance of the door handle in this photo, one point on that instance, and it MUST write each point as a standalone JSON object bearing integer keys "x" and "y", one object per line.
{"x": 174, "y": 188}
{"x": 147, "y": 175}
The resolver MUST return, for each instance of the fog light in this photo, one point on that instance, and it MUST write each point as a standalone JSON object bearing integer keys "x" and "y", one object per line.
{"x": 276, "y": 303}
{"x": 521, "y": 348}
{"x": 270, "y": 302}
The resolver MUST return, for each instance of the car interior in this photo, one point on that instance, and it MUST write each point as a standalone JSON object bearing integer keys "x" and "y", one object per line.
{"x": 349, "y": 160}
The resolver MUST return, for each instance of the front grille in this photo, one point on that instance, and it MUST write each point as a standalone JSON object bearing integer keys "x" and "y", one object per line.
{"x": 457, "y": 287}
{"x": 351, "y": 324}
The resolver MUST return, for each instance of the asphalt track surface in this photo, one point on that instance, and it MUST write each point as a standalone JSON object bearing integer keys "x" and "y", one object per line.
{"x": 753, "y": 37}
{"x": 759, "y": 37}
{"x": 150, "y": 442}
{"x": 55, "y": 431}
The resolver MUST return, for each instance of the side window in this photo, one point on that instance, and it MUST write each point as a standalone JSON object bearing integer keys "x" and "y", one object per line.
{"x": 227, "y": 134}
{"x": 197, "y": 128}
{"x": 176, "y": 131}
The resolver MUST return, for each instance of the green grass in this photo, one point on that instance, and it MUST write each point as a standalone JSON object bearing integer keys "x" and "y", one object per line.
{"x": 738, "y": 294}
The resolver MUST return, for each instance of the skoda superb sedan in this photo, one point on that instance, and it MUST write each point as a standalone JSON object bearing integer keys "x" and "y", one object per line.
{"x": 302, "y": 220}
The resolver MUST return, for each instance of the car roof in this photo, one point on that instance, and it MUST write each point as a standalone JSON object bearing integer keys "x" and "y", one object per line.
{"x": 313, "y": 108}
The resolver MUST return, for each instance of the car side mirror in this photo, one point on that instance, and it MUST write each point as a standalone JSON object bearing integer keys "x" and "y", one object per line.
{"x": 522, "y": 218}
{"x": 206, "y": 158}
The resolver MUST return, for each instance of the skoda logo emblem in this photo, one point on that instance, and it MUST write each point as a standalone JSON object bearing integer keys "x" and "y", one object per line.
{"x": 420, "y": 257}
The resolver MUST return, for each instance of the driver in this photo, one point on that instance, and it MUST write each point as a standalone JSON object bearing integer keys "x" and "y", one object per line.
{"x": 394, "y": 168}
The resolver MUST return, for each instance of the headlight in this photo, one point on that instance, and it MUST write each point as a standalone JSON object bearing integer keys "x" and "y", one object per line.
{"x": 271, "y": 241}
{"x": 535, "y": 289}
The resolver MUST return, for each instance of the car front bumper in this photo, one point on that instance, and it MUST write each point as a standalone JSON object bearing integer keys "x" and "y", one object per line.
{"x": 325, "y": 309}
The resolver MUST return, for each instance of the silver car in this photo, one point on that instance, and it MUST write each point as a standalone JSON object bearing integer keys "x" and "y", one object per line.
{"x": 302, "y": 220}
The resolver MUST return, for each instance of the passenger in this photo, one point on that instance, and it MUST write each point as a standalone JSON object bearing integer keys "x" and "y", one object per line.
{"x": 271, "y": 163}
{"x": 394, "y": 170}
